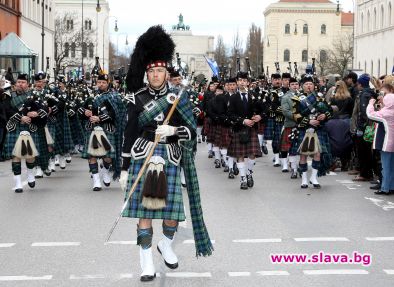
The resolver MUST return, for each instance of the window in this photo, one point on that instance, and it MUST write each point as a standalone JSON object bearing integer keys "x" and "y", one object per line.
{"x": 323, "y": 29}
{"x": 390, "y": 14}
{"x": 90, "y": 25}
{"x": 84, "y": 50}
{"x": 378, "y": 73}
{"x": 86, "y": 24}
{"x": 91, "y": 50}
{"x": 287, "y": 29}
{"x": 305, "y": 29}
{"x": 371, "y": 68}
{"x": 304, "y": 56}
{"x": 286, "y": 55}
{"x": 66, "y": 49}
{"x": 323, "y": 56}
{"x": 368, "y": 22}
{"x": 365, "y": 66}
{"x": 73, "y": 50}
{"x": 362, "y": 23}
{"x": 375, "y": 21}
{"x": 381, "y": 17}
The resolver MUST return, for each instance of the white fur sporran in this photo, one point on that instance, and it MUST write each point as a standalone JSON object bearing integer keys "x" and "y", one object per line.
{"x": 24, "y": 147}
{"x": 310, "y": 145}
{"x": 99, "y": 145}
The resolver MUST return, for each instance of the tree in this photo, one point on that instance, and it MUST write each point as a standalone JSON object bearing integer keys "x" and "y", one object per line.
{"x": 236, "y": 52}
{"x": 340, "y": 57}
{"x": 68, "y": 41}
{"x": 117, "y": 61}
{"x": 254, "y": 49}
{"x": 221, "y": 52}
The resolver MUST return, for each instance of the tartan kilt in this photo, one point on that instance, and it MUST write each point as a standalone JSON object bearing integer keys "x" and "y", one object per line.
{"x": 238, "y": 150}
{"x": 42, "y": 147}
{"x": 211, "y": 132}
{"x": 260, "y": 128}
{"x": 206, "y": 126}
{"x": 111, "y": 138}
{"x": 276, "y": 137}
{"x": 77, "y": 132}
{"x": 285, "y": 141}
{"x": 174, "y": 209}
{"x": 12, "y": 137}
{"x": 269, "y": 129}
{"x": 222, "y": 136}
{"x": 52, "y": 130}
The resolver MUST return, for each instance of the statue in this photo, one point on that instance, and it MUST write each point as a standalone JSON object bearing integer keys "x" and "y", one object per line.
{"x": 181, "y": 25}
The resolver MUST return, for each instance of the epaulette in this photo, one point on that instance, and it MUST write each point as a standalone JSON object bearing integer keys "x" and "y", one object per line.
{"x": 295, "y": 98}
{"x": 130, "y": 98}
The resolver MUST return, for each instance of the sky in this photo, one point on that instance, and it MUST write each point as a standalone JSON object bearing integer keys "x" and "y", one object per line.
{"x": 205, "y": 17}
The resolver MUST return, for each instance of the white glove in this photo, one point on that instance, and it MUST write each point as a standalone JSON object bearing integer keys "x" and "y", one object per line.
{"x": 123, "y": 179}
{"x": 166, "y": 130}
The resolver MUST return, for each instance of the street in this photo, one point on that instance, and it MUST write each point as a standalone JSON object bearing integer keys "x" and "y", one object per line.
{"x": 53, "y": 235}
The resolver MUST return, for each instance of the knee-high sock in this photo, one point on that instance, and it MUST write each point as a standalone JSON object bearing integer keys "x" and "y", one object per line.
{"x": 242, "y": 169}
{"x": 293, "y": 160}
{"x": 230, "y": 162}
{"x": 93, "y": 167}
{"x": 209, "y": 145}
{"x": 251, "y": 163}
{"x": 223, "y": 152}
{"x": 261, "y": 140}
{"x": 217, "y": 152}
{"x": 199, "y": 130}
{"x": 144, "y": 237}
{"x": 169, "y": 231}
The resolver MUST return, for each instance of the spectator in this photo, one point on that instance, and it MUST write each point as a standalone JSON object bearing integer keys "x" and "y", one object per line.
{"x": 9, "y": 76}
{"x": 351, "y": 82}
{"x": 364, "y": 147}
{"x": 385, "y": 140}
{"x": 5, "y": 100}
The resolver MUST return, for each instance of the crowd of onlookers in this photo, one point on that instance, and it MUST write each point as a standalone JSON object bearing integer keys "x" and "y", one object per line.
{"x": 362, "y": 129}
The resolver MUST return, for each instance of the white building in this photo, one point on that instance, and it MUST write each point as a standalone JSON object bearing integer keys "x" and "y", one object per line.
{"x": 299, "y": 30}
{"x": 95, "y": 25}
{"x": 374, "y": 34}
{"x": 193, "y": 48}
{"x": 31, "y": 30}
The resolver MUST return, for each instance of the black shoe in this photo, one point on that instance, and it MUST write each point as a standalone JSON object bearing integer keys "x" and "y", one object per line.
{"x": 107, "y": 184}
{"x": 231, "y": 174}
{"x": 249, "y": 180}
{"x": 223, "y": 163}
{"x": 285, "y": 170}
{"x": 32, "y": 184}
{"x": 19, "y": 190}
{"x": 244, "y": 185}
{"x": 264, "y": 149}
{"x": 235, "y": 168}
{"x": 226, "y": 169}
{"x": 183, "y": 185}
{"x": 199, "y": 141}
{"x": 210, "y": 154}
{"x": 304, "y": 186}
{"x": 96, "y": 188}
{"x": 171, "y": 266}
{"x": 379, "y": 192}
{"x": 294, "y": 174}
{"x": 217, "y": 163}
{"x": 375, "y": 187}
{"x": 147, "y": 278}
{"x": 47, "y": 172}
{"x": 374, "y": 182}
{"x": 317, "y": 186}
{"x": 38, "y": 176}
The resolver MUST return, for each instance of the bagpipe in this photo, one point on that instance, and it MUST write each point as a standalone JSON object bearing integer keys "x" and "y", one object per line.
{"x": 34, "y": 103}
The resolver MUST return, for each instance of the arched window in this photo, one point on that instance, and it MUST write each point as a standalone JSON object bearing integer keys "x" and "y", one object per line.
{"x": 304, "y": 56}
{"x": 73, "y": 50}
{"x": 286, "y": 55}
{"x": 90, "y": 24}
{"x": 368, "y": 22}
{"x": 362, "y": 23}
{"x": 86, "y": 24}
{"x": 375, "y": 21}
{"x": 365, "y": 66}
{"x": 371, "y": 67}
{"x": 91, "y": 50}
{"x": 381, "y": 17}
{"x": 305, "y": 29}
{"x": 323, "y": 56}
{"x": 323, "y": 29}
{"x": 84, "y": 49}
{"x": 390, "y": 16}
{"x": 287, "y": 29}
{"x": 66, "y": 49}
{"x": 378, "y": 73}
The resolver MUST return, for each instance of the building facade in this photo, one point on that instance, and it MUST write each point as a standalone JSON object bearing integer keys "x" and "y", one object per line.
{"x": 73, "y": 52}
{"x": 374, "y": 32}
{"x": 192, "y": 49}
{"x": 35, "y": 13}
{"x": 297, "y": 31}
{"x": 9, "y": 17}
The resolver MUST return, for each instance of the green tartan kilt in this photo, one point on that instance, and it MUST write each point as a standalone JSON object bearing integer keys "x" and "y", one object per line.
{"x": 63, "y": 141}
{"x": 42, "y": 147}
{"x": 77, "y": 132}
{"x": 174, "y": 209}
{"x": 52, "y": 130}
{"x": 12, "y": 137}
{"x": 111, "y": 138}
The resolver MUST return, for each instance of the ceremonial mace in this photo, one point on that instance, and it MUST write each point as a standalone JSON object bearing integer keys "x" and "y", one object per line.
{"x": 143, "y": 168}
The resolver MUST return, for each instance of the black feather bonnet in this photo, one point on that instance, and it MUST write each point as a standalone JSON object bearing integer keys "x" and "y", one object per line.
{"x": 154, "y": 48}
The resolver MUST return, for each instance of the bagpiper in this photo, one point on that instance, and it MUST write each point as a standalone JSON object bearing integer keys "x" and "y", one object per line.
{"x": 159, "y": 194}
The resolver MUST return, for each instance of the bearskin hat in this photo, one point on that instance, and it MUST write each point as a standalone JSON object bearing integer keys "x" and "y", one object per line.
{"x": 154, "y": 48}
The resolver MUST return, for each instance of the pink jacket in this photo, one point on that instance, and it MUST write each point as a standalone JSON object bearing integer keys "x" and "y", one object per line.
{"x": 385, "y": 116}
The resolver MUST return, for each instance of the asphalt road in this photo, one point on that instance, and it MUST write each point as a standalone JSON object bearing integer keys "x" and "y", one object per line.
{"x": 54, "y": 234}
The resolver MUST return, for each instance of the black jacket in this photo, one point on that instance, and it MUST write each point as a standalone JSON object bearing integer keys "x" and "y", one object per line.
{"x": 238, "y": 114}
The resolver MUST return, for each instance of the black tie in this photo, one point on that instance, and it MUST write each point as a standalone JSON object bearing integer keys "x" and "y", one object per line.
{"x": 245, "y": 101}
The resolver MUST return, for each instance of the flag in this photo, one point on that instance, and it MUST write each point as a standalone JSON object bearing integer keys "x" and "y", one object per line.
{"x": 213, "y": 65}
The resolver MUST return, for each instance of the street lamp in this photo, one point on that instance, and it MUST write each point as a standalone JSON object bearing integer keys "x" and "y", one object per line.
{"x": 338, "y": 12}
{"x": 42, "y": 35}
{"x": 307, "y": 36}
{"x": 98, "y": 7}
{"x": 117, "y": 45}
{"x": 115, "y": 29}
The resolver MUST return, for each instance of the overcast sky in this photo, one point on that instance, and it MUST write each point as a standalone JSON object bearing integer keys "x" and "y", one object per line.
{"x": 205, "y": 17}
